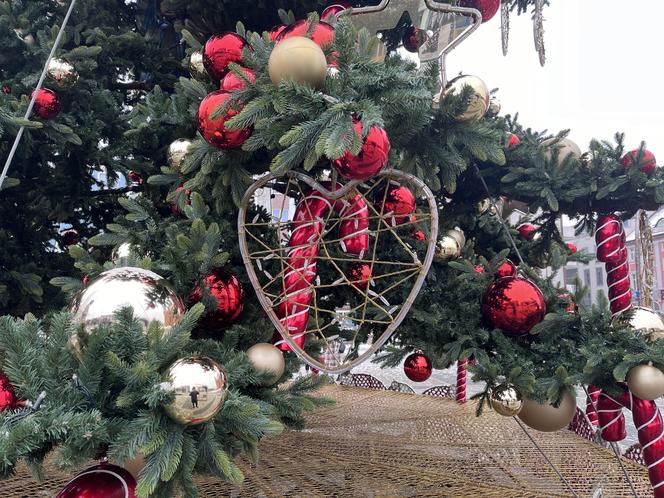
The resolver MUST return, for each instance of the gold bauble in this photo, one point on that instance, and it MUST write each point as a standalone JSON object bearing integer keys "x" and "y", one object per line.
{"x": 266, "y": 357}
{"x": 565, "y": 148}
{"x": 478, "y": 103}
{"x": 196, "y": 66}
{"x": 646, "y": 382}
{"x": 458, "y": 235}
{"x": 446, "y": 248}
{"x": 122, "y": 252}
{"x": 646, "y": 321}
{"x": 494, "y": 107}
{"x": 177, "y": 150}
{"x": 506, "y": 400}
{"x": 200, "y": 388}
{"x": 61, "y": 74}
{"x": 297, "y": 58}
{"x": 546, "y": 417}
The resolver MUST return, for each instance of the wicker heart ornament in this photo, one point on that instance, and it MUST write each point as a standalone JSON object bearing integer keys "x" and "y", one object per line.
{"x": 337, "y": 262}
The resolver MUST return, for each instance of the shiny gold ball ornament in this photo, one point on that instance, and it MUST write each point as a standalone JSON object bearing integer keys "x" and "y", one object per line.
{"x": 196, "y": 67}
{"x": 300, "y": 59}
{"x": 646, "y": 321}
{"x": 61, "y": 74}
{"x": 546, "y": 417}
{"x": 565, "y": 146}
{"x": 266, "y": 357}
{"x": 646, "y": 381}
{"x": 457, "y": 234}
{"x": 478, "y": 102}
{"x": 200, "y": 386}
{"x": 122, "y": 252}
{"x": 151, "y": 297}
{"x": 177, "y": 150}
{"x": 447, "y": 248}
{"x": 506, "y": 400}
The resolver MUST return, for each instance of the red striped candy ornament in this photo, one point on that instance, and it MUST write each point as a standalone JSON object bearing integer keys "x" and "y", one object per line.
{"x": 609, "y": 238}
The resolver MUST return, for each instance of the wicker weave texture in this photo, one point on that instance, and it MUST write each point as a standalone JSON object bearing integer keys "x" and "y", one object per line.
{"x": 379, "y": 443}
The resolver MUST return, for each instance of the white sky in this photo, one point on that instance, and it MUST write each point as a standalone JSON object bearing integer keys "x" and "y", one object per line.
{"x": 603, "y": 70}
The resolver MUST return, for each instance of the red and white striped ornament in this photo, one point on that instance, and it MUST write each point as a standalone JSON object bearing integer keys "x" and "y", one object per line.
{"x": 591, "y": 403}
{"x": 612, "y": 251}
{"x": 461, "y": 380}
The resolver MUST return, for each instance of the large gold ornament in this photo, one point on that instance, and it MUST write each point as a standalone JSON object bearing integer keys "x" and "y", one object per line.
{"x": 646, "y": 382}
{"x": 300, "y": 59}
{"x": 267, "y": 358}
{"x": 506, "y": 400}
{"x": 196, "y": 66}
{"x": 565, "y": 148}
{"x": 61, "y": 74}
{"x": 122, "y": 252}
{"x": 177, "y": 150}
{"x": 546, "y": 417}
{"x": 200, "y": 388}
{"x": 646, "y": 321}
{"x": 151, "y": 297}
{"x": 447, "y": 248}
{"x": 478, "y": 103}
{"x": 458, "y": 235}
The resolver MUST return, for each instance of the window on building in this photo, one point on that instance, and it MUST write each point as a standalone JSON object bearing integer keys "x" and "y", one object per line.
{"x": 600, "y": 276}
{"x": 632, "y": 256}
{"x": 570, "y": 275}
{"x": 586, "y": 278}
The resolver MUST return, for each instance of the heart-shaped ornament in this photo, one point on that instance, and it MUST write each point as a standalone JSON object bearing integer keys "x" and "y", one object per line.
{"x": 337, "y": 262}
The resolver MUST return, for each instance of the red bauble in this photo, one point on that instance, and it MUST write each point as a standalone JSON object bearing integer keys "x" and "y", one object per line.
{"x": 417, "y": 367}
{"x": 610, "y": 239}
{"x": 220, "y": 50}
{"x": 323, "y": 33}
{"x": 360, "y": 275}
{"x": 214, "y": 130}
{"x": 69, "y": 237}
{"x": 276, "y": 31}
{"x": 399, "y": 203}
{"x": 414, "y": 38}
{"x": 513, "y": 141}
{"x": 479, "y": 269}
{"x": 645, "y": 160}
{"x": 101, "y": 481}
{"x": 372, "y": 157}
{"x": 572, "y": 247}
{"x": 514, "y": 305}
{"x": 86, "y": 280}
{"x": 232, "y": 82}
{"x": 334, "y": 9}
{"x": 487, "y": 8}
{"x": 135, "y": 177}
{"x": 228, "y": 291}
{"x": 8, "y": 399}
{"x": 418, "y": 235}
{"x": 506, "y": 269}
{"x": 527, "y": 230}
{"x": 571, "y": 306}
{"x": 6, "y": 89}
{"x": 47, "y": 104}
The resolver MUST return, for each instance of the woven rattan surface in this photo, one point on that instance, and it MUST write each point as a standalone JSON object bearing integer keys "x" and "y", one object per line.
{"x": 391, "y": 444}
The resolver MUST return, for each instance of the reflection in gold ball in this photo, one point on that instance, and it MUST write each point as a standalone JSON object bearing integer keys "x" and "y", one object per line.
{"x": 267, "y": 358}
{"x": 646, "y": 382}
{"x": 200, "y": 388}
{"x": 446, "y": 248}
{"x": 196, "y": 66}
{"x": 506, "y": 400}
{"x": 645, "y": 321}
{"x": 122, "y": 253}
{"x": 565, "y": 148}
{"x": 177, "y": 150}
{"x": 61, "y": 74}
{"x": 546, "y": 417}
{"x": 494, "y": 107}
{"x": 478, "y": 103}
{"x": 458, "y": 235}
{"x": 300, "y": 59}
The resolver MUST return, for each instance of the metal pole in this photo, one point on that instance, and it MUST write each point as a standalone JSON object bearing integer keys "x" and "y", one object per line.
{"x": 637, "y": 257}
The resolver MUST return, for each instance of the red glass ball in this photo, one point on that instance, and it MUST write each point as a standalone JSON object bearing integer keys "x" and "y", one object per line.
{"x": 8, "y": 399}
{"x": 86, "y": 280}
{"x": 487, "y": 8}
{"x": 373, "y": 155}
{"x": 527, "y": 230}
{"x": 135, "y": 177}
{"x": 506, "y": 269}
{"x": 276, "y": 31}
{"x": 69, "y": 237}
{"x": 571, "y": 306}
{"x": 414, "y": 38}
{"x": 232, "y": 82}
{"x": 220, "y": 50}
{"x": 6, "y": 89}
{"x": 334, "y": 9}
{"x": 323, "y": 33}
{"x": 279, "y": 342}
{"x": 360, "y": 275}
{"x": 101, "y": 481}
{"x": 214, "y": 130}
{"x": 399, "y": 203}
{"x": 514, "y": 305}
{"x": 572, "y": 247}
{"x": 513, "y": 141}
{"x": 228, "y": 291}
{"x": 417, "y": 367}
{"x": 418, "y": 235}
{"x": 646, "y": 162}
{"x": 47, "y": 104}
{"x": 479, "y": 269}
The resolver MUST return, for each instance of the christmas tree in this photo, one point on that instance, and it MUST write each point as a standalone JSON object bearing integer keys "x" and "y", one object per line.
{"x": 308, "y": 98}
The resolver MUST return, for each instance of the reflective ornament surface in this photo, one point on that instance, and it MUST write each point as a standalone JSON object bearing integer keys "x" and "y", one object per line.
{"x": 447, "y": 248}
{"x": 229, "y": 294}
{"x": 214, "y": 130}
{"x": 322, "y": 34}
{"x": 494, "y": 107}
{"x": 565, "y": 147}
{"x": 546, "y": 417}
{"x": 47, "y": 104}
{"x": 478, "y": 101}
{"x": 267, "y": 358}
{"x": 122, "y": 253}
{"x": 487, "y": 8}
{"x": 101, "y": 481}
{"x": 413, "y": 39}
{"x": 200, "y": 387}
{"x": 196, "y": 66}
{"x": 458, "y": 235}
{"x": 646, "y": 321}
{"x": 644, "y": 159}
{"x": 334, "y": 10}
{"x": 514, "y": 305}
{"x": 8, "y": 398}
{"x": 61, "y": 74}
{"x": 177, "y": 150}
{"x": 373, "y": 155}
{"x": 506, "y": 400}
{"x": 151, "y": 297}
{"x": 646, "y": 382}
{"x": 527, "y": 231}
{"x": 513, "y": 141}
{"x": 506, "y": 269}
{"x": 398, "y": 202}
{"x": 232, "y": 82}
{"x": 417, "y": 367}
{"x": 220, "y": 50}
{"x": 360, "y": 275}
{"x": 299, "y": 59}
{"x": 69, "y": 237}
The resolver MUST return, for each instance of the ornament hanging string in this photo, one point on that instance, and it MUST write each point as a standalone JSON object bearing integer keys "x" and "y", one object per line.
{"x": 40, "y": 83}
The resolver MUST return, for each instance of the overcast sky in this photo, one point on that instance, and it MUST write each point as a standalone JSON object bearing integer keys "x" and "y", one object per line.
{"x": 602, "y": 75}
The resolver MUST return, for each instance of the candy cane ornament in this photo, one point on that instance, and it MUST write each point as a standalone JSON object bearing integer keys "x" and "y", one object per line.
{"x": 591, "y": 402}
{"x": 612, "y": 251}
{"x": 461, "y": 380}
